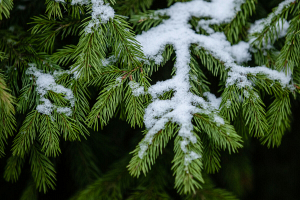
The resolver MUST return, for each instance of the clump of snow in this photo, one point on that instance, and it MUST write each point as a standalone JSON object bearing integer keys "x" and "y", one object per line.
{"x": 281, "y": 28}
{"x": 190, "y": 157}
{"x": 101, "y": 13}
{"x": 246, "y": 94}
{"x": 214, "y": 101}
{"x": 238, "y": 75}
{"x": 219, "y": 11}
{"x": 67, "y": 111}
{"x": 45, "y": 108}
{"x": 81, "y": 2}
{"x": 240, "y": 52}
{"x": 177, "y": 32}
{"x": 219, "y": 120}
{"x": 136, "y": 88}
{"x": 260, "y": 24}
{"x": 281, "y": 31}
{"x": 44, "y": 83}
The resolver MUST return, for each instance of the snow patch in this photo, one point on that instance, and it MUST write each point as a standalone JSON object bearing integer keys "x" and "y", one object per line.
{"x": 44, "y": 83}
{"x": 177, "y": 32}
{"x": 101, "y": 13}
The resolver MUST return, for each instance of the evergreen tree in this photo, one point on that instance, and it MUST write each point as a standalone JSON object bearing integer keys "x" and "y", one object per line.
{"x": 93, "y": 91}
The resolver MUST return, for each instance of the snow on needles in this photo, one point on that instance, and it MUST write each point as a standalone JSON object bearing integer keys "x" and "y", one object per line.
{"x": 44, "y": 83}
{"x": 281, "y": 27}
{"x": 99, "y": 11}
{"x": 260, "y": 24}
{"x": 177, "y": 32}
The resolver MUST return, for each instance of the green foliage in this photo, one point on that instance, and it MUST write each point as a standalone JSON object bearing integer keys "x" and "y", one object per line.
{"x": 270, "y": 33}
{"x": 146, "y": 20}
{"x": 288, "y": 58}
{"x": 42, "y": 169}
{"x": 5, "y": 7}
{"x": 279, "y": 109}
{"x": 46, "y": 30}
{"x": 7, "y": 112}
{"x": 187, "y": 176}
{"x": 235, "y": 28}
{"x": 130, "y": 7}
{"x": 138, "y": 165}
{"x": 102, "y": 65}
{"x": 13, "y": 168}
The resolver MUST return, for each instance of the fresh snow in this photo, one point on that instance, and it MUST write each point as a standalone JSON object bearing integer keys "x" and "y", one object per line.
{"x": 214, "y": 101}
{"x": 101, "y": 11}
{"x": 281, "y": 31}
{"x": 44, "y": 83}
{"x": 260, "y": 24}
{"x": 177, "y": 32}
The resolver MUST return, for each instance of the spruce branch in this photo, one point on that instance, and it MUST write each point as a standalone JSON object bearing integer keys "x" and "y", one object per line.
{"x": 254, "y": 113}
{"x": 138, "y": 165}
{"x": 222, "y": 135}
{"x": 42, "y": 169}
{"x": 7, "y": 114}
{"x": 146, "y": 20}
{"x": 53, "y": 9}
{"x": 288, "y": 58}
{"x": 188, "y": 176}
{"x": 235, "y": 27}
{"x": 130, "y": 7}
{"x": 134, "y": 108}
{"x": 13, "y": 168}
{"x": 106, "y": 104}
{"x": 210, "y": 62}
{"x": 199, "y": 82}
{"x": 27, "y": 134}
{"x": 65, "y": 55}
{"x": 211, "y": 155}
{"x": 90, "y": 52}
{"x": 5, "y": 7}
{"x": 278, "y": 116}
{"x": 230, "y": 103}
{"x": 46, "y": 30}
{"x": 49, "y": 136}
{"x": 124, "y": 45}
{"x": 269, "y": 33}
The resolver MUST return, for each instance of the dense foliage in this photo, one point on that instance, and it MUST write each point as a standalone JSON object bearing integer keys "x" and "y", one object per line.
{"x": 195, "y": 78}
